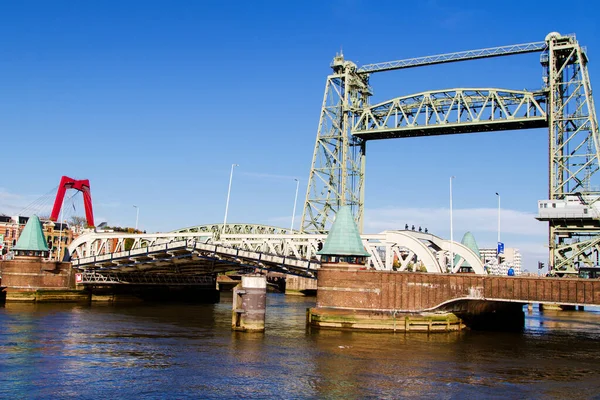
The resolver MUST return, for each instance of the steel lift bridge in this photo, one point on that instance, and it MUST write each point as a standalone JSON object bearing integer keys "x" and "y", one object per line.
{"x": 337, "y": 175}
{"x": 564, "y": 104}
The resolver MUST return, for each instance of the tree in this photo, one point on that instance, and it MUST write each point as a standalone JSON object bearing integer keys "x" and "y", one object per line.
{"x": 78, "y": 221}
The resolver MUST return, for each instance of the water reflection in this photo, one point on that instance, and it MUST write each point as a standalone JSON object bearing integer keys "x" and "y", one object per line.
{"x": 189, "y": 351}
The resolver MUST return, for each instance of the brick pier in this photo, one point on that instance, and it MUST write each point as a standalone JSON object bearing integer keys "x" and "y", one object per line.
{"x": 378, "y": 300}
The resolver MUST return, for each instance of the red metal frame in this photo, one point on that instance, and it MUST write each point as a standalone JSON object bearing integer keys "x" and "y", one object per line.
{"x": 83, "y": 186}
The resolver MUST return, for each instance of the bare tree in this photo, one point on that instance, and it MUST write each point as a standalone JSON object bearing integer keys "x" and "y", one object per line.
{"x": 78, "y": 221}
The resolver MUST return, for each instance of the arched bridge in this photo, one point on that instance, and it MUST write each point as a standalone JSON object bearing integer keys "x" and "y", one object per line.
{"x": 452, "y": 111}
{"x": 204, "y": 249}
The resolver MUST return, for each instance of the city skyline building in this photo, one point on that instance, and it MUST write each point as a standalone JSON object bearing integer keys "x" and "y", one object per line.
{"x": 511, "y": 258}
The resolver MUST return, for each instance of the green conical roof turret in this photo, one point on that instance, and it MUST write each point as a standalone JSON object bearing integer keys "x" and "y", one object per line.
{"x": 343, "y": 238}
{"x": 32, "y": 237}
{"x": 469, "y": 241}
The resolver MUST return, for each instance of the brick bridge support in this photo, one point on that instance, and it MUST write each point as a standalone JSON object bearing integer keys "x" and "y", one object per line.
{"x": 424, "y": 301}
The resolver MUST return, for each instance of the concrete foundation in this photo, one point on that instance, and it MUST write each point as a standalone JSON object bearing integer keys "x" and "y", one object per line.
{"x": 384, "y": 321}
{"x": 49, "y": 296}
{"x": 249, "y": 304}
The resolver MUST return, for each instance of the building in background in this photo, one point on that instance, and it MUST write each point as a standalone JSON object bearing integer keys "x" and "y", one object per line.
{"x": 54, "y": 232}
{"x": 510, "y": 259}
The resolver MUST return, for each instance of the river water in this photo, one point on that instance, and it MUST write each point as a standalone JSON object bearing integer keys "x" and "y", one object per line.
{"x": 150, "y": 351}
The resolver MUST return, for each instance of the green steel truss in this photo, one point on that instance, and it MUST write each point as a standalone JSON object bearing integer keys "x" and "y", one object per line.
{"x": 573, "y": 151}
{"x": 452, "y": 111}
{"x": 235, "y": 229}
{"x": 565, "y": 105}
{"x": 338, "y": 165}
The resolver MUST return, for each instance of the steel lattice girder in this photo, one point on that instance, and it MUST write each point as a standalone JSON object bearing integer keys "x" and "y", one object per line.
{"x": 569, "y": 112}
{"x": 580, "y": 251}
{"x": 453, "y": 57}
{"x": 290, "y": 254}
{"x": 191, "y": 256}
{"x": 115, "y": 278}
{"x": 574, "y": 150}
{"x": 574, "y": 143}
{"x": 450, "y": 112}
{"x": 338, "y": 164}
{"x": 217, "y": 229}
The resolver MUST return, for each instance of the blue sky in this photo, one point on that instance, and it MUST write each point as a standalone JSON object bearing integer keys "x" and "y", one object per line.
{"x": 152, "y": 101}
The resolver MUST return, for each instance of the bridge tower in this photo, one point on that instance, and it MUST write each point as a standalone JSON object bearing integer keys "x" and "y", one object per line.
{"x": 573, "y": 153}
{"x": 338, "y": 164}
{"x": 347, "y": 122}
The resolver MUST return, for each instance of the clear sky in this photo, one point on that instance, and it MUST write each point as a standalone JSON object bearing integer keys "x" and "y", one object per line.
{"x": 152, "y": 101}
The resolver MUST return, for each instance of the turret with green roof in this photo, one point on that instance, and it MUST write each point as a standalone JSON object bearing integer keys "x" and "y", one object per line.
{"x": 32, "y": 241}
{"x": 343, "y": 244}
{"x": 469, "y": 241}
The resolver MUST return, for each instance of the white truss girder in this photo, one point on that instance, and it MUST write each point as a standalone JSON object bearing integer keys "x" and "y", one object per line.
{"x": 93, "y": 244}
{"x": 289, "y": 253}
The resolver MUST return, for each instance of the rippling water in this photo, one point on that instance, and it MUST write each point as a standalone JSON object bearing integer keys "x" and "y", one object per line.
{"x": 189, "y": 351}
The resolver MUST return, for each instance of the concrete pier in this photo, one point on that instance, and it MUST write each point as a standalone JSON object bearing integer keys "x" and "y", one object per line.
{"x": 249, "y": 304}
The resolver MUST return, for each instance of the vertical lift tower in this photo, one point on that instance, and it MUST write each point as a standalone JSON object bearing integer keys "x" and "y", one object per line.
{"x": 564, "y": 105}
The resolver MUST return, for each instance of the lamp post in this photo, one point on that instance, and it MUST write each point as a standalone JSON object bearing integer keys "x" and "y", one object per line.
{"x": 498, "y": 245}
{"x": 295, "y": 202}
{"x": 228, "y": 193}
{"x": 137, "y": 216}
{"x": 451, "y": 230}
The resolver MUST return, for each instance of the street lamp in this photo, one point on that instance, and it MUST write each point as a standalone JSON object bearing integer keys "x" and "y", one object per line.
{"x": 295, "y": 201}
{"x": 451, "y": 230}
{"x": 137, "y": 216}
{"x": 228, "y": 193}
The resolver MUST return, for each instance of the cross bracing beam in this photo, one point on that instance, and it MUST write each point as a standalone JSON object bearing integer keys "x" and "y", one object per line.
{"x": 452, "y": 111}
{"x": 98, "y": 278}
{"x": 453, "y": 57}
{"x": 583, "y": 250}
